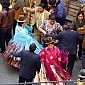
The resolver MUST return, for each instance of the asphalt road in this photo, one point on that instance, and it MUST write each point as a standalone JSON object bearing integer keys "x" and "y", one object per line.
{"x": 9, "y": 74}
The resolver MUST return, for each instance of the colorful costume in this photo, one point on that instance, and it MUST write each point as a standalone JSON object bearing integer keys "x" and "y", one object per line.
{"x": 53, "y": 68}
{"x": 22, "y": 39}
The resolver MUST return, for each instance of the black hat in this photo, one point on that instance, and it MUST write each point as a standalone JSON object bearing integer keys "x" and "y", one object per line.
{"x": 21, "y": 18}
{"x": 5, "y": 3}
{"x": 51, "y": 2}
{"x": 52, "y": 17}
{"x": 81, "y": 74}
{"x": 42, "y": 5}
{"x": 49, "y": 40}
{"x": 32, "y": 47}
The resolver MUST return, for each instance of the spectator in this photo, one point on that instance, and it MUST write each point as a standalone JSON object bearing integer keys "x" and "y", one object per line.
{"x": 6, "y": 24}
{"x": 18, "y": 5}
{"x": 78, "y": 23}
{"x": 50, "y": 26}
{"x": 30, "y": 63}
{"x": 40, "y": 15}
{"x": 82, "y": 31}
{"x": 60, "y": 12}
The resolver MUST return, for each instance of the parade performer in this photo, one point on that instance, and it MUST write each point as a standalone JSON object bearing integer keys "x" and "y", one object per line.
{"x": 51, "y": 58}
{"x": 22, "y": 39}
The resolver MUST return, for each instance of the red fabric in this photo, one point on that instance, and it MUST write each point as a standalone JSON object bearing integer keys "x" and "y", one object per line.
{"x": 45, "y": 57}
{"x": 8, "y": 50}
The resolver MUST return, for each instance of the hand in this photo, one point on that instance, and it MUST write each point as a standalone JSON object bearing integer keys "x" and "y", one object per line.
{"x": 42, "y": 53}
{"x": 24, "y": 9}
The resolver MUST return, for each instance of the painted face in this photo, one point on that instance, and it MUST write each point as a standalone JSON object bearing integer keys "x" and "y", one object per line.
{"x": 40, "y": 9}
{"x": 80, "y": 17}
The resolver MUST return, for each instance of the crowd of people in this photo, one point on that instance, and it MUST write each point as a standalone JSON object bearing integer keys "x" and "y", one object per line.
{"x": 34, "y": 36}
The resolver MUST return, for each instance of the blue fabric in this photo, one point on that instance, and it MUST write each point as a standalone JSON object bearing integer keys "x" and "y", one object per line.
{"x": 60, "y": 11}
{"x": 82, "y": 1}
{"x": 24, "y": 37}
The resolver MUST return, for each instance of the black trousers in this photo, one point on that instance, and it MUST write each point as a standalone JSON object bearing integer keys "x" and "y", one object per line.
{"x": 5, "y": 36}
{"x": 71, "y": 61}
{"x": 80, "y": 50}
{"x": 23, "y": 80}
{"x": 14, "y": 26}
{"x": 83, "y": 58}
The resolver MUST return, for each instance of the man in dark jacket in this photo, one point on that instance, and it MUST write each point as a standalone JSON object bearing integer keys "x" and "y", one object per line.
{"x": 60, "y": 12}
{"x": 68, "y": 41}
{"x": 6, "y": 24}
{"x": 30, "y": 63}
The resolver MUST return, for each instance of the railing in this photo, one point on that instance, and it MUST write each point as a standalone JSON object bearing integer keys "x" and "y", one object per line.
{"x": 68, "y": 82}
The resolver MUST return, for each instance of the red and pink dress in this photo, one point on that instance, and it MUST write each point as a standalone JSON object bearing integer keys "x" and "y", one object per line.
{"x": 53, "y": 68}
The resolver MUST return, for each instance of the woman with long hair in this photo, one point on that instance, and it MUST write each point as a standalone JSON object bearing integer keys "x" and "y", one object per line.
{"x": 78, "y": 23}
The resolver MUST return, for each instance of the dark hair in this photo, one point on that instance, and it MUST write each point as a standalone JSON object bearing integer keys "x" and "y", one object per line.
{"x": 20, "y": 23}
{"x": 44, "y": 1}
{"x": 66, "y": 27}
{"x": 32, "y": 47}
{"x": 51, "y": 2}
{"x": 5, "y": 4}
{"x": 80, "y": 12}
{"x": 42, "y": 5}
{"x": 52, "y": 17}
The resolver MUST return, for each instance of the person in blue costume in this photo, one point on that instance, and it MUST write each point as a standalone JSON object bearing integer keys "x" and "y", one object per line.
{"x": 21, "y": 40}
{"x": 24, "y": 36}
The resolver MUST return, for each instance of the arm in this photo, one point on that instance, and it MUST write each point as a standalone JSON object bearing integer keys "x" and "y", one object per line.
{"x": 59, "y": 28}
{"x": 51, "y": 35}
{"x": 41, "y": 28}
{"x": 81, "y": 30}
{"x": 28, "y": 9}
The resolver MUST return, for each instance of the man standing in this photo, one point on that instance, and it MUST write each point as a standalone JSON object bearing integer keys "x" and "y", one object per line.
{"x": 30, "y": 63}
{"x": 6, "y": 24}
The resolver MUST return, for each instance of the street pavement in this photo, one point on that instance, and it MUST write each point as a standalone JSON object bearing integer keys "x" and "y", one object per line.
{"x": 9, "y": 74}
